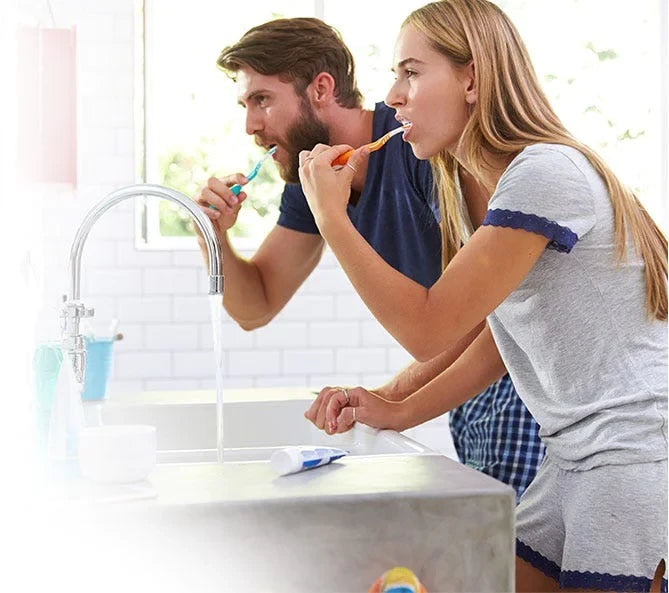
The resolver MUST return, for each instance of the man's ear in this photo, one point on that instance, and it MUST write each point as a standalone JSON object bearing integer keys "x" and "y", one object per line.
{"x": 469, "y": 77}
{"x": 322, "y": 89}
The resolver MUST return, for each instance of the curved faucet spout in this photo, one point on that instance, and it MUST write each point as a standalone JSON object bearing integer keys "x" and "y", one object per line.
{"x": 73, "y": 310}
{"x": 133, "y": 191}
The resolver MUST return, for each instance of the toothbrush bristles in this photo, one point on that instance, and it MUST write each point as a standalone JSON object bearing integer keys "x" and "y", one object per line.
{"x": 402, "y": 128}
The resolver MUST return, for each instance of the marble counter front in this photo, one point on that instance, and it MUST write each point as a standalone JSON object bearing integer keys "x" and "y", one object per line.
{"x": 239, "y": 527}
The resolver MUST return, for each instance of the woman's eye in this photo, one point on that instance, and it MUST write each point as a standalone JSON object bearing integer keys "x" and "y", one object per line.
{"x": 404, "y": 74}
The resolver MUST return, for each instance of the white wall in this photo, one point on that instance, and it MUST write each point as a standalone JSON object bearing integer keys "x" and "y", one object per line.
{"x": 325, "y": 334}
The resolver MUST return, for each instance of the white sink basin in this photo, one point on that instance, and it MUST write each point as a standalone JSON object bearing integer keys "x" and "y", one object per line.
{"x": 186, "y": 425}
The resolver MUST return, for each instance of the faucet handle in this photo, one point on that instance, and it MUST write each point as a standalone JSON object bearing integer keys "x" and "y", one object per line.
{"x": 75, "y": 309}
{"x": 70, "y": 314}
{"x": 72, "y": 342}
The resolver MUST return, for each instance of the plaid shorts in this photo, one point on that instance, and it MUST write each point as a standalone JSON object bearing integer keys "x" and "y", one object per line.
{"x": 496, "y": 434}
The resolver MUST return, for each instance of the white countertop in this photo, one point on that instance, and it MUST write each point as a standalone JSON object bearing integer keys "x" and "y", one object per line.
{"x": 364, "y": 477}
{"x": 239, "y": 527}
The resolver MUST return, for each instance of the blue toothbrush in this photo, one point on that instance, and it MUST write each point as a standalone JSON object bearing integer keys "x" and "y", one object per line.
{"x": 235, "y": 189}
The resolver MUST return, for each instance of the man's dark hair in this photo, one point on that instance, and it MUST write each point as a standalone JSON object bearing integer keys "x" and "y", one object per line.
{"x": 296, "y": 50}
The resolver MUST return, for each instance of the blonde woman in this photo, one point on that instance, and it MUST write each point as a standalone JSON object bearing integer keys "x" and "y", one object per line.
{"x": 542, "y": 242}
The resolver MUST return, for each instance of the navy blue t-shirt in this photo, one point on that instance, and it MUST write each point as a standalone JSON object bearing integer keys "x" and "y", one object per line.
{"x": 395, "y": 210}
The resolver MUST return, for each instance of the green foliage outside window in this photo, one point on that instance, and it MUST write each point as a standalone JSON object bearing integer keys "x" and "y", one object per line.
{"x": 188, "y": 171}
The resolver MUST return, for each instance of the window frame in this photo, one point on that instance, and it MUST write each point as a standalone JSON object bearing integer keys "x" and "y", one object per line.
{"x": 147, "y": 233}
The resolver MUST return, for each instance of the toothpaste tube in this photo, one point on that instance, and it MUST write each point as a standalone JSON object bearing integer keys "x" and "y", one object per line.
{"x": 290, "y": 460}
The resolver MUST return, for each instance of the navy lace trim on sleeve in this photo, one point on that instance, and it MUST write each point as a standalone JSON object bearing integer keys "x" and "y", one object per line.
{"x": 561, "y": 238}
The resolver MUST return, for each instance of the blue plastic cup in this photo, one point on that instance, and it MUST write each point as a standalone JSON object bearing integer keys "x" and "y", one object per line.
{"x": 98, "y": 367}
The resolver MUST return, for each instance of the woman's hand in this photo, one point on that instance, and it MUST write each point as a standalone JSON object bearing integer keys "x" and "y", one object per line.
{"x": 327, "y": 189}
{"x": 316, "y": 412}
{"x": 360, "y": 405}
{"x": 336, "y": 409}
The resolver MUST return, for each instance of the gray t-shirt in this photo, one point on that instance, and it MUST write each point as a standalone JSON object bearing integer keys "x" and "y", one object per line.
{"x": 585, "y": 359}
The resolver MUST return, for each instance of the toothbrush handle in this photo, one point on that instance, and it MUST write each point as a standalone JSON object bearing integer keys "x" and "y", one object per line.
{"x": 235, "y": 189}
{"x": 342, "y": 159}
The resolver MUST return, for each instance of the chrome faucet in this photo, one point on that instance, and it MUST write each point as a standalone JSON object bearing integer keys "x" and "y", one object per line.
{"x": 73, "y": 310}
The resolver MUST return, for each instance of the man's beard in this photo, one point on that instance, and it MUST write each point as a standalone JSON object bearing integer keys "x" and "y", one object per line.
{"x": 303, "y": 135}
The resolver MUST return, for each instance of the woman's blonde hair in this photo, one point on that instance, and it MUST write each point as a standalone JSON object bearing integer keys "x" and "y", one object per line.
{"x": 511, "y": 113}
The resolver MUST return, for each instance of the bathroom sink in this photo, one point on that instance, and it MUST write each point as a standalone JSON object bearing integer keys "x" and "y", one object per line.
{"x": 255, "y": 422}
{"x": 199, "y": 525}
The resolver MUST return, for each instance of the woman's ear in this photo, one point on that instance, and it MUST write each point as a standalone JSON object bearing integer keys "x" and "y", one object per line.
{"x": 471, "y": 94}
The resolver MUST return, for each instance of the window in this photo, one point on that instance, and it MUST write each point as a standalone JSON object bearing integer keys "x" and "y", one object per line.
{"x": 193, "y": 126}
{"x": 599, "y": 64}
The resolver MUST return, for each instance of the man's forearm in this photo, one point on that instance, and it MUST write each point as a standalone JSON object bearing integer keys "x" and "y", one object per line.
{"x": 419, "y": 374}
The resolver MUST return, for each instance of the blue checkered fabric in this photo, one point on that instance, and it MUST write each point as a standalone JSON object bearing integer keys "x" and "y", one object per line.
{"x": 496, "y": 434}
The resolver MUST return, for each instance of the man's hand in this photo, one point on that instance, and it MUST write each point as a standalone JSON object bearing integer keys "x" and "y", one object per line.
{"x": 217, "y": 194}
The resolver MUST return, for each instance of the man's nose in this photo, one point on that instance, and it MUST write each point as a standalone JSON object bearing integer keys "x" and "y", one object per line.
{"x": 254, "y": 123}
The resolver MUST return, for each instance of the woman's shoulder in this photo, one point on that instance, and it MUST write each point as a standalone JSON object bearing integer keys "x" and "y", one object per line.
{"x": 549, "y": 172}
{"x": 551, "y": 159}
{"x": 546, "y": 189}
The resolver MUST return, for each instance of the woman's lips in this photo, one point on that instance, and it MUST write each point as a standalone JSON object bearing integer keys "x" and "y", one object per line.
{"x": 405, "y": 123}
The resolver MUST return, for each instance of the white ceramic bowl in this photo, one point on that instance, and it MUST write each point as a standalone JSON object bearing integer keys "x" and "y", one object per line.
{"x": 117, "y": 454}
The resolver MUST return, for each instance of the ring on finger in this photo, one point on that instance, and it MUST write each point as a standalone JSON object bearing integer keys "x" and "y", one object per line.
{"x": 350, "y": 166}
{"x": 345, "y": 392}
{"x": 354, "y": 418}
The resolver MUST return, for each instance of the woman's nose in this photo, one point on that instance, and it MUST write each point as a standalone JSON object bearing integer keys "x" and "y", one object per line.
{"x": 394, "y": 98}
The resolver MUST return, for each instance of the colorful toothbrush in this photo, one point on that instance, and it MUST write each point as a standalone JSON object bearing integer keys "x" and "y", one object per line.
{"x": 235, "y": 189}
{"x": 342, "y": 159}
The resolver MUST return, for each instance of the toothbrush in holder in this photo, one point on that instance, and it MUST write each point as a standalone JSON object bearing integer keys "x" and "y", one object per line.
{"x": 342, "y": 159}
{"x": 235, "y": 189}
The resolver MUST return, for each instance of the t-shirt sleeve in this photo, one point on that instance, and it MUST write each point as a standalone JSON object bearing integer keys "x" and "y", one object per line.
{"x": 421, "y": 178}
{"x": 294, "y": 212}
{"x": 544, "y": 191}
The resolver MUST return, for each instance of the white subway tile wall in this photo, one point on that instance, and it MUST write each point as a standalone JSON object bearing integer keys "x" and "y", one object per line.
{"x": 325, "y": 335}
